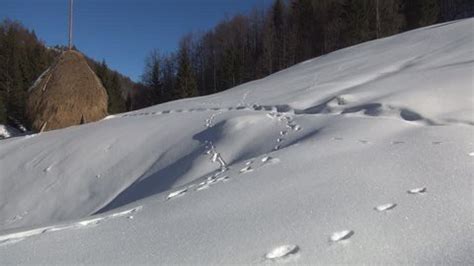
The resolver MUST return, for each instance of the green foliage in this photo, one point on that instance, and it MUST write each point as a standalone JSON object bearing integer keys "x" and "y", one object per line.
{"x": 22, "y": 59}
{"x": 248, "y": 47}
{"x": 3, "y": 110}
{"x": 420, "y": 13}
{"x": 186, "y": 81}
{"x": 153, "y": 77}
{"x": 111, "y": 81}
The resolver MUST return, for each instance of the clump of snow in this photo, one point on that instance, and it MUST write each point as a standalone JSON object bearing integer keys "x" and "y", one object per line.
{"x": 385, "y": 207}
{"x": 281, "y": 252}
{"x": 7, "y": 132}
{"x": 341, "y": 235}
{"x": 419, "y": 190}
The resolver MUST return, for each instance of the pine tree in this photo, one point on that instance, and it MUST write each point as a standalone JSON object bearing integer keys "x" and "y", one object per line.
{"x": 116, "y": 103}
{"x": 420, "y": 13}
{"x": 111, "y": 83}
{"x": 186, "y": 82}
{"x": 152, "y": 77}
{"x": 3, "y": 108}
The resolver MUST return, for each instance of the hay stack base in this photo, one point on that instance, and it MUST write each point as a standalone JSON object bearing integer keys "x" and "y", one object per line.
{"x": 68, "y": 94}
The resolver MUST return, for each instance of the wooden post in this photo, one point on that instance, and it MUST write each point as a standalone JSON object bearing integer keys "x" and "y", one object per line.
{"x": 71, "y": 5}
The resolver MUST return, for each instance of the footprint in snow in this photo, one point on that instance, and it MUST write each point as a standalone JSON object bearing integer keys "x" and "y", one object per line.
{"x": 294, "y": 127}
{"x": 341, "y": 235}
{"x": 91, "y": 222}
{"x": 282, "y": 252}
{"x": 246, "y": 169}
{"x": 176, "y": 193}
{"x": 47, "y": 169}
{"x": 223, "y": 179}
{"x": 202, "y": 186}
{"x": 417, "y": 191}
{"x": 385, "y": 207}
{"x": 269, "y": 160}
{"x": 283, "y": 132}
{"x": 397, "y": 142}
{"x": 211, "y": 180}
{"x": 280, "y": 140}
{"x": 277, "y": 147}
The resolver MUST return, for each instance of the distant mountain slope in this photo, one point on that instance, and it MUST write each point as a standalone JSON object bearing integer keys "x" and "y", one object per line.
{"x": 364, "y": 155}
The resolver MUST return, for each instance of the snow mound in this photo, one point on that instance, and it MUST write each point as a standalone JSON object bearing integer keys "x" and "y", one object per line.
{"x": 369, "y": 147}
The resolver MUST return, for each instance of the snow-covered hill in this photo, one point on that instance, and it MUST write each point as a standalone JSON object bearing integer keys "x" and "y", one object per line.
{"x": 364, "y": 155}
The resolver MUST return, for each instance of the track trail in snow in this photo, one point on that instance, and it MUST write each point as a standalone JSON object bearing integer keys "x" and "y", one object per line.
{"x": 284, "y": 115}
{"x": 85, "y": 223}
{"x": 288, "y": 252}
{"x": 225, "y": 173}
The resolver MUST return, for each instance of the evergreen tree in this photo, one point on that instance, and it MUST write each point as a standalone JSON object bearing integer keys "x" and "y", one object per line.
{"x": 3, "y": 110}
{"x": 110, "y": 81}
{"x": 357, "y": 14}
{"x": 420, "y": 13}
{"x": 116, "y": 103}
{"x": 186, "y": 82}
{"x": 152, "y": 77}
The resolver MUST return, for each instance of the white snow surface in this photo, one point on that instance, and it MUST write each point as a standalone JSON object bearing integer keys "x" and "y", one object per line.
{"x": 7, "y": 132}
{"x": 324, "y": 143}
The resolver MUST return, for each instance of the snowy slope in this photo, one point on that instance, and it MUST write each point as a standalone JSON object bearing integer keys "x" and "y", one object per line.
{"x": 364, "y": 155}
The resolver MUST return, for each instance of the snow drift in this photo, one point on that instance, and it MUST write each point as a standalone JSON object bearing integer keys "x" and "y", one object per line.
{"x": 364, "y": 155}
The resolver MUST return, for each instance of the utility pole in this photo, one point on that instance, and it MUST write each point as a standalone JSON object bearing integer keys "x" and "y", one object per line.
{"x": 71, "y": 5}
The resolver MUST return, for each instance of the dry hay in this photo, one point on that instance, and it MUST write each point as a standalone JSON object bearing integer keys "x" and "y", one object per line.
{"x": 67, "y": 94}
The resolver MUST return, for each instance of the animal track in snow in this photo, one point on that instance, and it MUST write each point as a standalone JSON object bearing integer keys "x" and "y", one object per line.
{"x": 223, "y": 179}
{"x": 19, "y": 236}
{"x": 177, "y": 193}
{"x": 269, "y": 160}
{"x": 341, "y": 235}
{"x": 385, "y": 207}
{"x": 17, "y": 217}
{"x": 246, "y": 169}
{"x": 396, "y": 142}
{"x": 282, "y": 252}
{"x": 47, "y": 169}
{"x": 419, "y": 190}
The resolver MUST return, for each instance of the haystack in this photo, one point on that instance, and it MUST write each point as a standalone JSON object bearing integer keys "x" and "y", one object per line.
{"x": 67, "y": 94}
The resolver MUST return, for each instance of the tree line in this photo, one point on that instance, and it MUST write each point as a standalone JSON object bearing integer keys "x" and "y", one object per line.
{"x": 264, "y": 41}
{"x": 24, "y": 57}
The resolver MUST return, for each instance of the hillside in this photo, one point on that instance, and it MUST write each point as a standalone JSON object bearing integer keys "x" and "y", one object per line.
{"x": 364, "y": 155}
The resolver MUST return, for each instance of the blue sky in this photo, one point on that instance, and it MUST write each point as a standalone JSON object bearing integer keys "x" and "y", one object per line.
{"x": 123, "y": 32}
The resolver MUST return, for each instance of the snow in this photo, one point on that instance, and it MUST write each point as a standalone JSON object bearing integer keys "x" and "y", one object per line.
{"x": 7, "y": 132}
{"x": 309, "y": 152}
